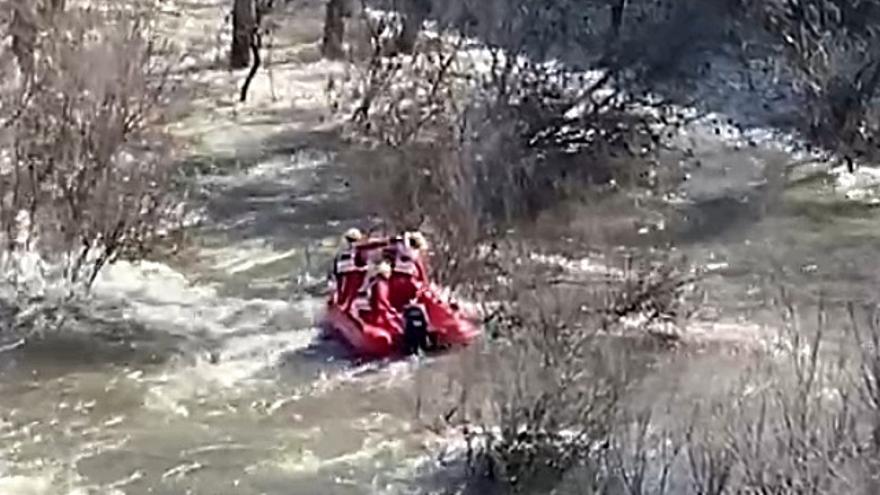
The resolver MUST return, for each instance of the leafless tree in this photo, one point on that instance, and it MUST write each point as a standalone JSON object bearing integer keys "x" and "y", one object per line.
{"x": 618, "y": 9}
{"x": 546, "y": 395}
{"x": 244, "y": 23}
{"x": 86, "y": 179}
{"x": 835, "y": 47}
{"x": 261, "y": 10}
{"x": 334, "y": 28}
{"x": 414, "y": 12}
{"x": 480, "y": 136}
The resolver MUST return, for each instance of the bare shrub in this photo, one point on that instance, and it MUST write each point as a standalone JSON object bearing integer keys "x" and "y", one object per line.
{"x": 797, "y": 421}
{"x": 484, "y": 133}
{"x": 658, "y": 291}
{"x": 795, "y": 424}
{"x": 86, "y": 178}
{"x": 545, "y": 398}
{"x": 553, "y": 407}
{"x": 865, "y": 326}
{"x": 552, "y": 395}
{"x": 640, "y": 457}
{"x": 710, "y": 463}
{"x": 835, "y": 47}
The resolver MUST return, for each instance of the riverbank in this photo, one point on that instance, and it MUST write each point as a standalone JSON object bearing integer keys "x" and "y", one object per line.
{"x": 204, "y": 373}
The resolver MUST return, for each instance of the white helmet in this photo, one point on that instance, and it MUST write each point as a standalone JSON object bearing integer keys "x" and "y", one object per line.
{"x": 353, "y": 235}
{"x": 417, "y": 240}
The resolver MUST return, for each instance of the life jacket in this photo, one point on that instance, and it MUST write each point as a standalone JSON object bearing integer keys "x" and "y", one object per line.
{"x": 392, "y": 248}
{"x": 362, "y": 299}
{"x": 346, "y": 262}
{"x": 405, "y": 262}
{"x": 361, "y": 303}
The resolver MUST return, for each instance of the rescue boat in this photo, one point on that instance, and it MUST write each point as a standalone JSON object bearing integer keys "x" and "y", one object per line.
{"x": 364, "y": 339}
{"x": 430, "y": 322}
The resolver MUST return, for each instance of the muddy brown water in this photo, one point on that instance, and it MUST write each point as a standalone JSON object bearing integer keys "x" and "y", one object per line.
{"x": 207, "y": 376}
{"x": 218, "y": 382}
{"x": 216, "y": 387}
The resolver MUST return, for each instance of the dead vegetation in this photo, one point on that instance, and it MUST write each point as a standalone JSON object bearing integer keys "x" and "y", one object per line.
{"x": 834, "y": 46}
{"x": 540, "y": 400}
{"x": 85, "y": 177}
{"x": 553, "y": 407}
{"x": 476, "y": 134}
{"x": 501, "y": 110}
{"x": 484, "y": 134}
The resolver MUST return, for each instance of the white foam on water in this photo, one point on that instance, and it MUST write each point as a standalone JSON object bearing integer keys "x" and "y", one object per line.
{"x": 329, "y": 382}
{"x": 862, "y": 184}
{"x": 26, "y": 485}
{"x": 245, "y": 265}
{"x": 49, "y": 481}
{"x": 279, "y": 170}
{"x": 580, "y": 265}
{"x": 306, "y": 463}
{"x": 245, "y": 336}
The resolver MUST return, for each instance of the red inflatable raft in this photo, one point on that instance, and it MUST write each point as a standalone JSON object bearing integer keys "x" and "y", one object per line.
{"x": 444, "y": 325}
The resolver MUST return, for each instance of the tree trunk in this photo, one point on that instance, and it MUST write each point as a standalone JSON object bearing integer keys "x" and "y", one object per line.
{"x": 617, "y": 10}
{"x": 414, "y": 14}
{"x": 334, "y": 29}
{"x": 243, "y": 25}
{"x": 409, "y": 33}
{"x": 24, "y": 36}
{"x": 52, "y": 7}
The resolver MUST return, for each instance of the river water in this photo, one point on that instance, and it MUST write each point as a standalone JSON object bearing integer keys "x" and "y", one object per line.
{"x": 206, "y": 375}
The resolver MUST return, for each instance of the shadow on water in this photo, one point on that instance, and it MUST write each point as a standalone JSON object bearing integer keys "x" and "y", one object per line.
{"x": 292, "y": 194}
{"x": 101, "y": 344}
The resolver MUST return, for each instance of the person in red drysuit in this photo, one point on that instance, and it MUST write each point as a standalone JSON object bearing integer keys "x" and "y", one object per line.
{"x": 419, "y": 245}
{"x": 391, "y": 248}
{"x": 364, "y": 250}
{"x": 349, "y": 270}
{"x": 439, "y": 313}
{"x": 366, "y": 246}
{"x": 382, "y": 314}
{"x": 405, "y": 280}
